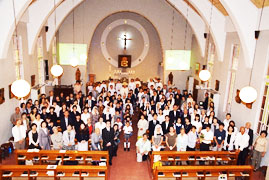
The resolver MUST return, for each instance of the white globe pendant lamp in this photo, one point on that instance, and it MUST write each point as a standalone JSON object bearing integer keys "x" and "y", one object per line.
{"x": 56, "y": 70}
{"x": 74, "y": 61}
{"x": 204, "y": 75}
{"x": 20, "y": 88}
{"x": 248, "y": 94}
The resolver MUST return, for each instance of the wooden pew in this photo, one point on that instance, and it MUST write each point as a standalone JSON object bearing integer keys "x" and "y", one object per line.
{"x": 44, "y": 156}
{"x": 195, "y": 156}
{"x": 204, "y": 171}
{"x": 59, "y": 171}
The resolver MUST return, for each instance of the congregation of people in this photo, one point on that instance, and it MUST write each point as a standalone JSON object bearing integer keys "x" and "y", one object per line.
{"x": 169, "y": 120}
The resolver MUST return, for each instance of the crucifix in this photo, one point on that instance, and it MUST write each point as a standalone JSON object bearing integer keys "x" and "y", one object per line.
{"x": 125, "y": 39}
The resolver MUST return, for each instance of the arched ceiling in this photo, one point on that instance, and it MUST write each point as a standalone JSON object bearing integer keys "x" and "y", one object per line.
{"x": 245, "y": 22}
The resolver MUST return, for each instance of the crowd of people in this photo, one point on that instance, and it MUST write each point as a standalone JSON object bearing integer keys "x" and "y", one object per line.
{"x": 165, "y": 115}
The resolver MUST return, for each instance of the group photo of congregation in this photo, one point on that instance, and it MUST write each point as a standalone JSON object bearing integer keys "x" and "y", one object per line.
{"x": 134, "y": 89}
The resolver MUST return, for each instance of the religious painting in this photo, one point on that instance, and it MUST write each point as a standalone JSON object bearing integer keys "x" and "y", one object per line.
{"x": 11, "y": 95}
{"x": 2, "y": 95}
{"x": 197, "y": 68}
{"x": 124, "y": 61}
{"x": 32, "y": 80}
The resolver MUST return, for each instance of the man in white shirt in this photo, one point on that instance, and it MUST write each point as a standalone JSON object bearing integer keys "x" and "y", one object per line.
{"x": 19, "y": 134}
{"x": 111, "y": 83}
{"x": 151, "y": 83}
{"x": 143, "y": 146}
{"x": 208, "y": 138}
{"x": 159, "y": 84}
{"x": 118, "y": 86}
{"x": 103, "y": 85}
{"x": 226, "y": 121}
{"x": 124, "y": 90}
{"x": 131, "y": 84}
{"x": 241, "y": 144}
{"x": 192, "y": 139}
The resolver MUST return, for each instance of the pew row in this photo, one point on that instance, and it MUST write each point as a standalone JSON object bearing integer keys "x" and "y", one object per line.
{"x": 203, "y": 172}
{"x": 193, "y": 157}
{"x": 44, "y": 156}
{"x": 53, "y": 172}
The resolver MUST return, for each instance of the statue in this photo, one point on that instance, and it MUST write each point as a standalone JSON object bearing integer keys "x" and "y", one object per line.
{"x": 78, "y": 74}
{"x": 170, "y": 77}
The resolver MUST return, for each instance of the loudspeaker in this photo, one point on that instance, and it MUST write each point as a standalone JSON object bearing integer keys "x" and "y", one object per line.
{"x": 46, "y": 28}
{"x": 46, "y": 69}
{"x": 257, "y": 34}
{"x": 205, "y": 35}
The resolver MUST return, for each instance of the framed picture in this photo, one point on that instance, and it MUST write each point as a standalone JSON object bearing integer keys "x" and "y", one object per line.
{"x": 217, "y": 85}
{"x": 124, "y": 61}
{"x": 2, "y": 95}
{"x": 11, "y": 95}
{"x": 197, "y": 68}
{"x": 32, "y": 80}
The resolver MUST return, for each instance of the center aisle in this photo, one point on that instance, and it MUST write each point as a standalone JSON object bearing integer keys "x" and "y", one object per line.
{"x": 124, "y": 166}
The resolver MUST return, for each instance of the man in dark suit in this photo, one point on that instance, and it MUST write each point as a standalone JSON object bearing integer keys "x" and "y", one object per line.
{"x": 51, "y": 97}
{"x": 90, "y": 101}
{"x": 152, "y": 125}
{"x": 185, "y": 115}
{"x": 65, "y": 121}
{"x": 155, "y": 97}
{"x": 108, "y": 138}
{"x": 174, "y": 115}
{"x": 250, "y": 133}
{"x": 166, "y": 125}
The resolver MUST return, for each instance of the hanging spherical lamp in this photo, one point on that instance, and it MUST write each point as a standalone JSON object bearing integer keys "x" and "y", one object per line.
{"x": 248, "y": 94}
{"x": 204, "y": 75}
{"x": 56, "y": 70}
{"x": 20, "y": 88}
{"x": 74, "y": 61}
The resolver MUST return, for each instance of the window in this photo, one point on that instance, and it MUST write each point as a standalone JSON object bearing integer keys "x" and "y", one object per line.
{"x": 263, "y": 123}
{"x": 231, "y": 77}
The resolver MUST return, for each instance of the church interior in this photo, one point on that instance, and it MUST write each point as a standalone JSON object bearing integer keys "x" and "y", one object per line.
{"x": 134, "y": 89}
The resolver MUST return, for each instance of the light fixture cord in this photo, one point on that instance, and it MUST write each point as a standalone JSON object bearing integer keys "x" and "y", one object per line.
{"x": 54, "y": 58}
{"x": 209, "y": 27}
{"x": 73, "y": 29}
{"x": 172, "y": 30}
{"x": 18, "y": 63}
{"x": 186, "y": 25}
{"x": 256, "y": 43}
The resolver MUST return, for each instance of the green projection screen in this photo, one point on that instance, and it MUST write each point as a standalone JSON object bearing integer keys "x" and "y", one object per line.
{"x": 177, "y": 59}
{"x": 66, "y": 52}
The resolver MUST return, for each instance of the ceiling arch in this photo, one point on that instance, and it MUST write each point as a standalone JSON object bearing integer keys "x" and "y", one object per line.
{"x": 38, "y": 13}
{"x": 66, "y": 7}
{"x": 8, "y": 23}
{"x": 245, "y": 22}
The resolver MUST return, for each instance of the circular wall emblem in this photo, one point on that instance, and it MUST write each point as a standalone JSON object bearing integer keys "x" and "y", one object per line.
{"x": 136, "y": 25}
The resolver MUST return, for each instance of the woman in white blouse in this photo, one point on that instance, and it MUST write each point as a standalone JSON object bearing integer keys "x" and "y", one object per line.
{"x": 69, "y": 138}
{"x": 143, "y": 146}
{"x": 33, "y": 138}
{"x": 85, "y": 115}
{"x": 142, "y": 126}
{"x": 182, "y": 140}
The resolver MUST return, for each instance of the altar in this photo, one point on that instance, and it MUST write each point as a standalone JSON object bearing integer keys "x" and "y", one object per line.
{"x": 123, "y": 74}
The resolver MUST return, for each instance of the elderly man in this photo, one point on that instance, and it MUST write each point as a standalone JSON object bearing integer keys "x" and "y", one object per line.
{"x": 16, "y": 115}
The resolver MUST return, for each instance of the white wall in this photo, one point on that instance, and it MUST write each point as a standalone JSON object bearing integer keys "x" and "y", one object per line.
{"x": 159, "y": 13}
{"x": 8, "y": 75}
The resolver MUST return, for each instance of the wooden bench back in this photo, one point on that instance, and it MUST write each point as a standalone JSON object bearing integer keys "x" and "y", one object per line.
{"x": 203, "y": 171}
